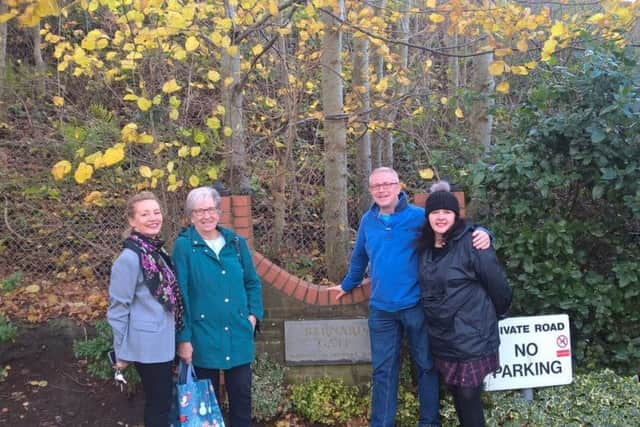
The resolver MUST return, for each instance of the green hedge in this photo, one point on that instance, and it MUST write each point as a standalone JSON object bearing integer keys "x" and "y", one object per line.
{"x": 327, "y": 400}
{"x": 596, "y": 399}
{"x": 562, "y": 196}
{"x": 268, "y": 391}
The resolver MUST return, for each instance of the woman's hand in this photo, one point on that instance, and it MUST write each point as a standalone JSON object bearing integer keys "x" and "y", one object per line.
{"x": 253, "y": 321}
{"x": 121, "y": 365}
{"x": 185, "y": 351}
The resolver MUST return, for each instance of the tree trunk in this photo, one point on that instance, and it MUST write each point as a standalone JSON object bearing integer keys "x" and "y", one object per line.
{"x": 635, "y": 36}
{"x": 481, "y": 121}
{"x": 454, "y": 67}
{"x": 335, "y": 142}
{"x": 41, "y": 67}
{"x": 377, "y": 140}
{"x": 233, "y": 99}
{"x": 362, "y": 87}
{"x": 3, "y": 64}
{"x": 283, "y": 154}
{"x": 403, "y": 54}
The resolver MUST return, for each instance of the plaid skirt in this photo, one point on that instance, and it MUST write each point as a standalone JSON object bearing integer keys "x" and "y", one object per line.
{"x": 468, "y": 373}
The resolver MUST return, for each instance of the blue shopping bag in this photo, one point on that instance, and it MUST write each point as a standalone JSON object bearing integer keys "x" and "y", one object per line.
{"x": 196, "y": 401}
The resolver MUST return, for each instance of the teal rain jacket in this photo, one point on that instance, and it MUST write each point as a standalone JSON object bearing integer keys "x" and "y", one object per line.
{"x": 219, "y": 295}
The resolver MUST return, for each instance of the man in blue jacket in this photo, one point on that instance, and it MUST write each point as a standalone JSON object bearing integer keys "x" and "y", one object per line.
{"x": 386, "y": 244}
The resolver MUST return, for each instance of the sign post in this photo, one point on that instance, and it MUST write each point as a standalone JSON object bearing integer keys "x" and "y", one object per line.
{"x": 535, "y": 351}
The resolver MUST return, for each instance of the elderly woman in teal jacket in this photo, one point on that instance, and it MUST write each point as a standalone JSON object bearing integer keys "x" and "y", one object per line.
{"x": 223, "y": 302}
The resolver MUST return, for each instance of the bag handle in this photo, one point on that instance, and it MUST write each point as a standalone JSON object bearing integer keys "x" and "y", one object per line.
{"x": 186, "y": 373}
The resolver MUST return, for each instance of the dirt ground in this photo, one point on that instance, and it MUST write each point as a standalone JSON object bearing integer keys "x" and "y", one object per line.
{"x": 47, "y": 386}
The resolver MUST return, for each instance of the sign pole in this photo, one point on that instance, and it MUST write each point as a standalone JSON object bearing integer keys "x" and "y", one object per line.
{"x": 527, "y": 394}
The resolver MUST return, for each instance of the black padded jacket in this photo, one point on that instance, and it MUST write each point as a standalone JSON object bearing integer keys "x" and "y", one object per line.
{"x": 464, "y": 292}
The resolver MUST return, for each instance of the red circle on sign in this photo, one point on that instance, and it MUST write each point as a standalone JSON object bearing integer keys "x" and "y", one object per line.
{"x": 562, "y": 341}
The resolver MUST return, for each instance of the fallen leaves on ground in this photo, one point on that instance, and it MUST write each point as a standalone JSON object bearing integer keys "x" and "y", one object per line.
{"x": 45, "y": 300}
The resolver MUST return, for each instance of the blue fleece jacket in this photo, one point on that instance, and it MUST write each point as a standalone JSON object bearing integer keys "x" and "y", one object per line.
{"x": 387, "y": 245}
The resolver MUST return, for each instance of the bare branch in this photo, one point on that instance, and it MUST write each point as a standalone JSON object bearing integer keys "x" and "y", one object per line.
{"x": 437, "y": 52}
{"x": 260, "y": 24}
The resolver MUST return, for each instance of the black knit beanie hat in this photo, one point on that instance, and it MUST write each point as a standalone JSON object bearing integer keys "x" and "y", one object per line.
{"x": 442, "y": 200}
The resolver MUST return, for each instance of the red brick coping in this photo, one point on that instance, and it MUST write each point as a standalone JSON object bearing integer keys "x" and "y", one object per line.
{"x": 237, "y": 215}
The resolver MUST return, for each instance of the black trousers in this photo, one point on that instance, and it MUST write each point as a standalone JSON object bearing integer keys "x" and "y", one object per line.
{"x": 237, "y": 381}
{"x": 469, "y": 407}
{"x": 157, "y": 382}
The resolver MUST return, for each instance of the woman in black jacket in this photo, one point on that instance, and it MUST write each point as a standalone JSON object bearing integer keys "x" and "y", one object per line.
{"x": 464, "y": 291}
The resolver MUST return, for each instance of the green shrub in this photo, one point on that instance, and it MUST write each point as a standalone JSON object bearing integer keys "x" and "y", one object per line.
{"x": 12, "y": 282}
{"x": 408, "y": 402}
{"x": 8, "y": 330}
{"x": 596, "y": 399}
{"x": 327, "y": 400}
{"x": 268, "y": 390}
{"x": 562, "y": 196}
{"x": 95, "y": 351}
{"x": 408, "y": 407}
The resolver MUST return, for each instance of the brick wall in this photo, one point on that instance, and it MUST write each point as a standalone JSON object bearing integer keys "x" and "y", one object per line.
{"x": 288, "y": 297}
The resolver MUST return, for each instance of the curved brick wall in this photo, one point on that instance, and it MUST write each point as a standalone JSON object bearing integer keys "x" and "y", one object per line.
{"x": 237, "y": 215}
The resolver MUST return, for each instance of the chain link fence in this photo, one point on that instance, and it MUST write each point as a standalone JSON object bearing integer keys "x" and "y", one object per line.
{"x": 48, "y": 230}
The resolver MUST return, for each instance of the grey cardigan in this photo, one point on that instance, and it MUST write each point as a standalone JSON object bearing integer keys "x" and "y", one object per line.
{"x": 143, "y": 331}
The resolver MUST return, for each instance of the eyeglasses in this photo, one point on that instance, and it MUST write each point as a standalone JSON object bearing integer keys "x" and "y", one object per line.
{"x": 206, "y": 211}
{"x": 382, "y": 186}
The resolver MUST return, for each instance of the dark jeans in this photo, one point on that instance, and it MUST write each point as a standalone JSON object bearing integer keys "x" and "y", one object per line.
{"x": 386, "y": 330}
{"x": 157, "y": 382}
{"x": 237, "y": 381}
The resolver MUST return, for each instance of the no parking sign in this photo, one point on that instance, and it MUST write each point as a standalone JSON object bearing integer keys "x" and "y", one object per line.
{"x": 535, "y": 351}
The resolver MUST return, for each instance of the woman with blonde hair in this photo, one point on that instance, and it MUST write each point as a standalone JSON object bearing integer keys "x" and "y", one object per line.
{"x": 146, "y": 307}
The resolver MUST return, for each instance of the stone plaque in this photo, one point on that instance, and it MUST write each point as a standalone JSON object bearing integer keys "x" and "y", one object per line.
{"x": 327, "y": 341}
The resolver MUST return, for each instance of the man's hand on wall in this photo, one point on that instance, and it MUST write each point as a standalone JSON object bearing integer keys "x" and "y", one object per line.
{"x": 338, "y": 289}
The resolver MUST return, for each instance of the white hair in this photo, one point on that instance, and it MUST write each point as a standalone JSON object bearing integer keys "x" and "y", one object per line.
{"x": 384, "y": 169}
{"x": 198, "y": 194}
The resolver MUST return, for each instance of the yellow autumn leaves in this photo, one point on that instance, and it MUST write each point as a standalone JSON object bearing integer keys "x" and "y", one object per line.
{"x": 172, "y": 30}
{"x": 33, "y": 13}
{"x": 113, "y": 155}
{"x": 171, "y": 86}
{"x": 499, "y": 67}
{"x": 145, "y": 104}
{"x": 426, "y": 173}
{"x": 98, "y": 160}
{"x": 60, "y": 169}
{"x": 191, "y": 44}
{"x": 85, "y": 168}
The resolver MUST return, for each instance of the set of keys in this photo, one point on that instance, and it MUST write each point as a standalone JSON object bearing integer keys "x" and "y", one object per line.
{"x": 119, "y": 378}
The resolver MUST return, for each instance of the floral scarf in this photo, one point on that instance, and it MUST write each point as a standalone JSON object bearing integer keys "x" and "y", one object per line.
{"x": 158, "y": 273}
